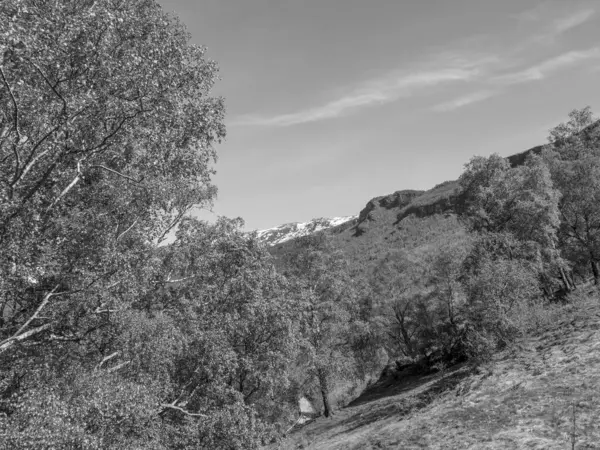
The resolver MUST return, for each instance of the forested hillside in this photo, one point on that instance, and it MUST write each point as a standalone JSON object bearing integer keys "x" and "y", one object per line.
{"x": 112, "y": 338}
{"x": 539, "y": 393}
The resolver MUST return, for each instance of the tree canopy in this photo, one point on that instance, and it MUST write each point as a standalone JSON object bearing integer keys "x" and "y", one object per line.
{"x": 573, "y": 156}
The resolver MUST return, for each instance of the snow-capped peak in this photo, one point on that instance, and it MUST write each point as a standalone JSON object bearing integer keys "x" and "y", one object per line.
{"x": 283, "y": 233}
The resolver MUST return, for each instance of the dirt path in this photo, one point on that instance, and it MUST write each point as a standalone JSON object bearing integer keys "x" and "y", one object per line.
{"x": 542, "y": 394}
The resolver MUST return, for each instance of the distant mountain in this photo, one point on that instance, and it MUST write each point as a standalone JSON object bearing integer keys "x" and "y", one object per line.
{"x": 400, "y": 220}
{"x": 288, "y": 231}
{"x": 407, "y": 220}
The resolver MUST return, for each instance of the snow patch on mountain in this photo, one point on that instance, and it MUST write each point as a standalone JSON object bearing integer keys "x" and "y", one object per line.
{"x": 288, "y": 231}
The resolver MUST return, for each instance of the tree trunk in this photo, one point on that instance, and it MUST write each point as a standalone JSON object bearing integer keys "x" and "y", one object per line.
{"x": 595, "y": 271}
{"x": 407, "y": 342}
{"x": 401, "y": 320}
{"x": 565, "y": 280}
{"x": 327, "y": 409}
{"x": 572, "y": 279}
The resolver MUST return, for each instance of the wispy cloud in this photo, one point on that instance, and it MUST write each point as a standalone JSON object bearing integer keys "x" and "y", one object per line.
{"x": 556, "y": 20}
{"x": 562, "y": 16}
{"x": 497, "y": 84}
{"x": 443, "y": 70}
{"x": 487, "y": 75}
{"x": 374, "y": 92}
{"x": 464, "y": 100}
{"x": 546, "y": 68}
{"x": 564, "y": 24}
{"x": 534, "y": 14}
{"x": 329, "y": 110}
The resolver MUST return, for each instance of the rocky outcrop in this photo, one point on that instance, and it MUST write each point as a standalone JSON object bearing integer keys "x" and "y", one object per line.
{"x": 398, "y": 199}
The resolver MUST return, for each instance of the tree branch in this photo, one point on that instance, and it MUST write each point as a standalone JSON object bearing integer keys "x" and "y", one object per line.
{"x": 7, "y": 343}
{"x": 119, "y": 173}
{"x": 177, "y": 280}
{"x": 15, "y": 126}
{"x": 290, "y": 428}
{"x": 177, "y": 408}
{"x": 105, "y": 311}
{"x": 106, "y": 359}
{"x": 32, "y": 159}
{"x": 14, "y": 102}
{"x": 127, "y": 230}
{"x": 49, "y": 84}
{"x": 118, "y": 366}
{"x": 37, "y": 311}
{"x": 178, "y": 218}
{"x": 68, "y": 188}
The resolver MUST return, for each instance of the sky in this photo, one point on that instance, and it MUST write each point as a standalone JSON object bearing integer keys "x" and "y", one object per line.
{"x": 333, "y": 102}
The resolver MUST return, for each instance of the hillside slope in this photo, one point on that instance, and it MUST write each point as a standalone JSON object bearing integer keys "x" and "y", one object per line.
{"x": 542, "y": 394}
{"x": 403, "y": 221}
{"x": 388, "y": 222}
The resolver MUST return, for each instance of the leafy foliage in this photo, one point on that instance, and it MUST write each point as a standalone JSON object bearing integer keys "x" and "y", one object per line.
{"x": 107, "y": 130}
{"x": 520, "y": 201}
{"x": 574, "y": 159}
{"x": 101, "y": 154}
{"x": 329, "y": 312}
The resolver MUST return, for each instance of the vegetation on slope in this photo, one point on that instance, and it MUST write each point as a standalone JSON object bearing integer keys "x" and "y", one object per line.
{"x": 443, "y": 289}
{"x": 539, "y": 393}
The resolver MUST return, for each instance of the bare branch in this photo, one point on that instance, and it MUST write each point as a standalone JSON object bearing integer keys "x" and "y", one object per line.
{"x": 15, "y": 127}
{"x": 105, "y": 311}
{"x": 39, "y": 184}
{"x": 115, "y": 284}
{"x": 127, "y": 230}
{"x": 20, "y": 335}
{"x": 187, "y": 413}
{"x": 118, "y": 366}
{"x": 290, "y": 428}
{"x": 55, "y": 337}
{"x": 111, "y": 134}
{"x": 49, "y": 84}
{"x": 32, "y": 159}
{"x": 8, "y": 343}
{"x": 14, "y": 102}
{"x": 37, "y": 311}
{"x": 178, "y": 218}
{"x": 68, "y": 188}
{"x": 106, "y": 359}
{"x": 119, "y": 173}
{"x": 177, "y": 280}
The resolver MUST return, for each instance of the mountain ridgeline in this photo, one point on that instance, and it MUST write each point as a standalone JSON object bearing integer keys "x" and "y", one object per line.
{"x": 394, "y": 220}
{"x": 382, "y": 217}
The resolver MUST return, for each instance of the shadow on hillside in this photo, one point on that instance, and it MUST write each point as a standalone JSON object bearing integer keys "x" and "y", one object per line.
{"x": 403, "y": 406}
{"x": 390, "y": 388}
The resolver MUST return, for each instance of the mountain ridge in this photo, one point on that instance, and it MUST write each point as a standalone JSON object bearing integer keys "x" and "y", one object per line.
{"x": 442, "y": 199}
{"x": 293, "y": 230}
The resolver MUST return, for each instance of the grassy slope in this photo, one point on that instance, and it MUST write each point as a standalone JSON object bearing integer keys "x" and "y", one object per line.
{"x": 523, "y": 399}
